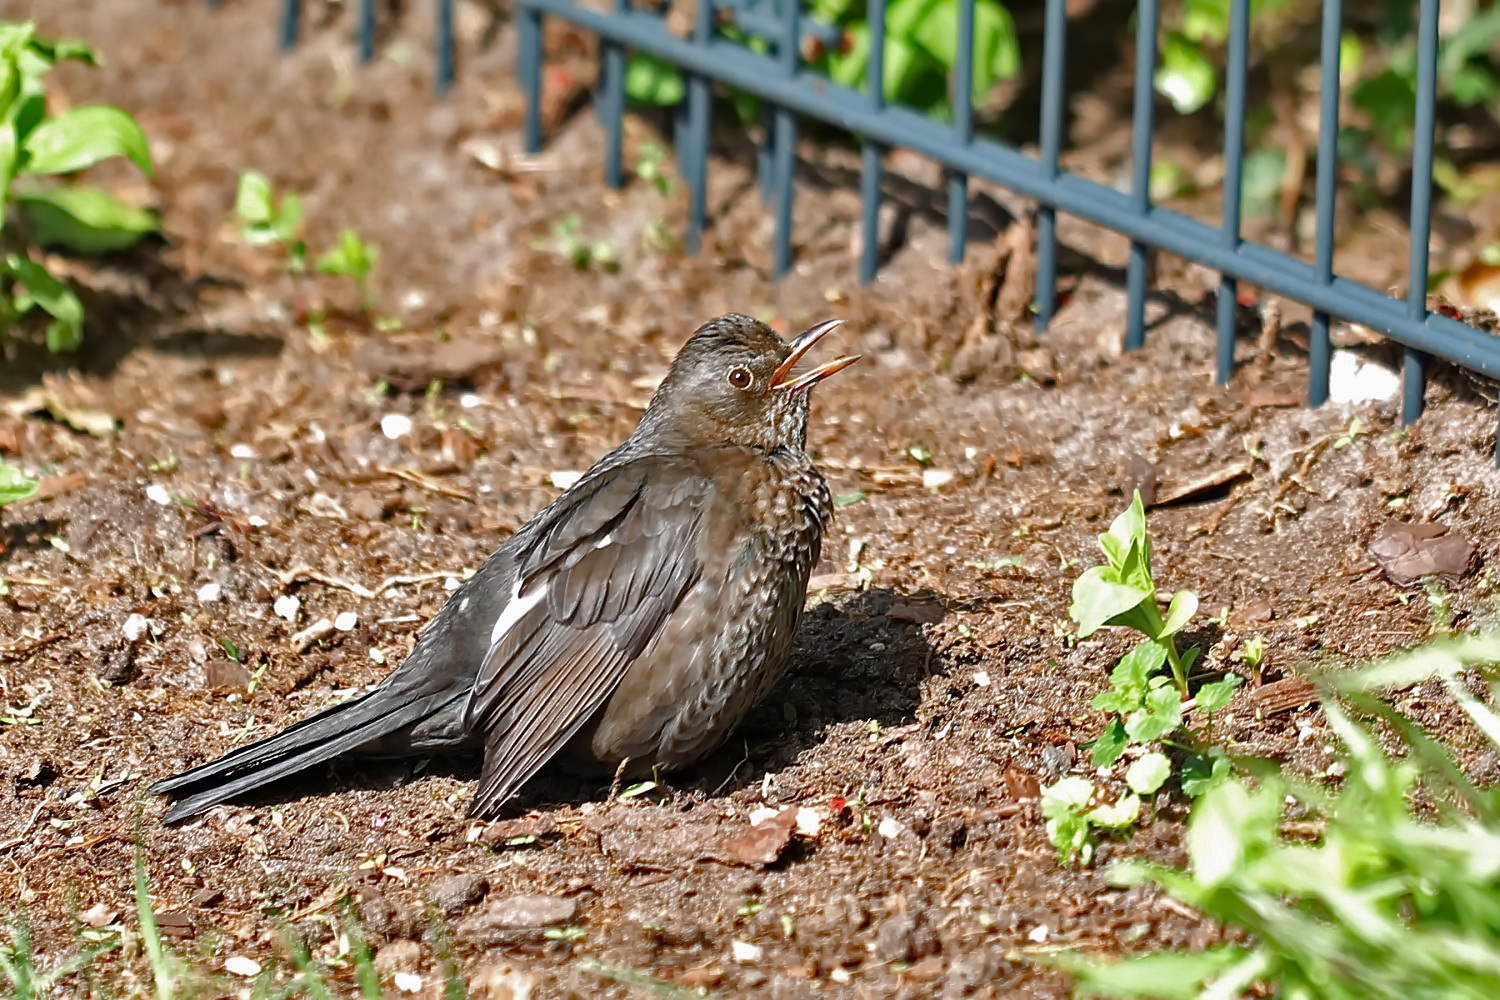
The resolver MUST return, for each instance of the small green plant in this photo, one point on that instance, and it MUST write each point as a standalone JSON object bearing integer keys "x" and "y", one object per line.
{"x": 36, "y": 146}
{"x": 1123, "y": 592}
{"x": 1147, "y": 705}
{"x": 568, "y": 242}
{"x": 1346, "y": 894}
{"x": 15, "y": 485}
{"x": 652, "y": 166}
{"x": 353, "y": 258}
{"x": 266, "y": 220}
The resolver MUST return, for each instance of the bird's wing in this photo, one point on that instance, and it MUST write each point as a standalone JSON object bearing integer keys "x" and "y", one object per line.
{"x": 594, "y": 585}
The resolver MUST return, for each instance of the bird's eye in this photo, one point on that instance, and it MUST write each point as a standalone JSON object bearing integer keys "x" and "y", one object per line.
{"x": 741, "y": 378}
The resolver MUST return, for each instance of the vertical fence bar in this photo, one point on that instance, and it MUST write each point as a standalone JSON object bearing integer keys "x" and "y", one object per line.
{"x": 291, "y": 19}
{"x": 443, "y": 81}
{"x": 364, "y": 30}
{"x": 784, "y": 152}
{"x": 963, "y": 131}
{"x": 612, "y": 105}
{"x": 1141, "y": 124}
{"x": 765, "y": 154}
{"x": 700, "y": 123}
{"x": 1236, "y": 74}
{"x": 1320, "y": 347}
{"x": 1054, "y": 47}
{"x": 869, "y": 194}
{"x": 1414, "y": 364}
{"x": 529, "y": 66}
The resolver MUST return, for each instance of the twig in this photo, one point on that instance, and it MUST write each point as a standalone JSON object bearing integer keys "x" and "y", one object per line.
{"x": 426, "y": 482}
{"x": 301, "y": 572}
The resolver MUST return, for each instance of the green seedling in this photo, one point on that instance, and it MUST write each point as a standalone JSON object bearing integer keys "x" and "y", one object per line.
{"x": 266, "y": 220}
{"x": 353, "y": 258}
{"x": 15, "y": 485}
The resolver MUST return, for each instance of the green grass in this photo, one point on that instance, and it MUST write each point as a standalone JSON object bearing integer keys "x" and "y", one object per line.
{"x": 1383, "y": 887}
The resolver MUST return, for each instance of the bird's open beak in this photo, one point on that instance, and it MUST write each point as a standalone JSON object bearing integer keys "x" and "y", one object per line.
{"x": 801, "y": 344}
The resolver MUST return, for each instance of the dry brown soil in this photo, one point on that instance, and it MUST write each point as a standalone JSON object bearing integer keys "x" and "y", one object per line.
{"x": 935, "y": 683}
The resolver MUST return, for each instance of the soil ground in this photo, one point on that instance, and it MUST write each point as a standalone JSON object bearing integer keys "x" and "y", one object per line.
{"x": 935, "y": 683}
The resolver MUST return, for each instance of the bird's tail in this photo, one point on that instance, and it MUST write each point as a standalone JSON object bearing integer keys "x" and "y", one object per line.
{"x": 333, "y": 731}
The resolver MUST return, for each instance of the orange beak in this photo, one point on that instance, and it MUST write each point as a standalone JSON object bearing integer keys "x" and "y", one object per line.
{"x": 801, "y": 344}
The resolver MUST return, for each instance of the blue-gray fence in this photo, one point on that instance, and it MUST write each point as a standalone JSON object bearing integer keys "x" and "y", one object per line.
{"x": 790, "y": 91}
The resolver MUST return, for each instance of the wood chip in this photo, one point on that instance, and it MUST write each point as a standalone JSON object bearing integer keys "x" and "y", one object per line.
{"x": 1284, "y": 695}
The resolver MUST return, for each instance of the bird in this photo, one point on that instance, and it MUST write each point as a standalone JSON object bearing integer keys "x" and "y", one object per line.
{"x": 632, "y": 623}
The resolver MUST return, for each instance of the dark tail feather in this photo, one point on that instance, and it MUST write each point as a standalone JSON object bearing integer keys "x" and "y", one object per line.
{"x": 312, "y": 741}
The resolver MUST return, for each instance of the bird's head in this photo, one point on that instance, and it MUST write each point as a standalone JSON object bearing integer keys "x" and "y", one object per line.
{"x": 732, "y": 383}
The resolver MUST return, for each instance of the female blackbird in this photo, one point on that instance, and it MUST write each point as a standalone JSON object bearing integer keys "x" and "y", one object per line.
{"x": 637, "y": 618}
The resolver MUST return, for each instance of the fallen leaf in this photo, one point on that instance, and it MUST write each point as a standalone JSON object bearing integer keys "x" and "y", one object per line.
{"x": 1407, "y": 551}
{"x": 763, "y": 843}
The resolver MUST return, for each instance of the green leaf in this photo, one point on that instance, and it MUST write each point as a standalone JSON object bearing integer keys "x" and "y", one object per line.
{"x": 84, "y": 219}
{"x": 1169, "y": 975}
{"x": 1200, "y": 772}
{"x": 1229, "y": 823}
{"x": 1146, "y": 774}
{"x": 352, "y": 258}
{"x": 1214, "y": 697}
{"x": 1110, "y": 744}
{"x": 1184, "y": 605}
{"x": 65, "y": 332}
{"x": 15, "y": 485}
{"x": 1187, "y": 76}
{"x": 83, "y": 137}
{"x": 1117, "y": 815}
{"x": 1067, "y": 795}
{"x": 1097, "y": 599}
{"x": 651, "y": 81}
{"x": 1128, "y": 531}
{"x": 1160, "y": 716}
{"x": 252, "y": 198}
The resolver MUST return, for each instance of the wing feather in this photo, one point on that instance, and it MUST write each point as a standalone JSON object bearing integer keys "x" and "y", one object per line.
{"x": 611, "y": 568}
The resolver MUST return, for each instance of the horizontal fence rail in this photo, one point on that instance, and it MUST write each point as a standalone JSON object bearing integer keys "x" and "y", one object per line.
{"x": 790, "y": 91}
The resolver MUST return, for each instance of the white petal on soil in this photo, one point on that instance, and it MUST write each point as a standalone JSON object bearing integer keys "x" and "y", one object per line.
{"x": 408, "y": 982}
{"x": 395, "y": 425}
{"x": 346, "y": 621}
{"x": 210, "y": 592}
{"x": 157, "y": 493}
{"x": 934, "y": 478}
{"x": 745, "y": 952}
{"x": 241, "y": 965}
{"x": 287, "y": 606}
{"x": 564, "y": 478}
{"x": 135, "y": 626}
{"x": 1351, "y": 379}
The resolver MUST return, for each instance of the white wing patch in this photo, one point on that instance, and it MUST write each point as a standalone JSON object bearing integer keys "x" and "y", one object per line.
{"x": 515, "y": 610}
{"x": 608, "y": 539}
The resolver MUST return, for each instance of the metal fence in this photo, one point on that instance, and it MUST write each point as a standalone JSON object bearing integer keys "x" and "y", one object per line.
{"x": 790, "y": 91}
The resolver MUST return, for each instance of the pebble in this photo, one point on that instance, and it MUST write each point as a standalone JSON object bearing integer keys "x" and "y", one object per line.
{"x": 501, "y": 982}
{"x": 529, "y": 910}
{"x": 408, "y": 982}
{"x": 399, "y": 956}
{"x": 241, "y": 965}
{"x": 346, "y": 621}
{"x": 459, "y": 892}
{"x": 904, "y": 937}
{"x": 935, "y": 478}
{"x": 563, "y": 479}
{"x": 745, "y": 953}
{"x": 157, "y": 493}
{"x": 395, "y": 426}
{"x": 287, "y": 606}
{"x": 135, "y": 626}
{"x": 210, "y": 592}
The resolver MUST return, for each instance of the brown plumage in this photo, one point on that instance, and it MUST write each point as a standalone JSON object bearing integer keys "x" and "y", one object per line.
{"x": 638, "y": 617}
